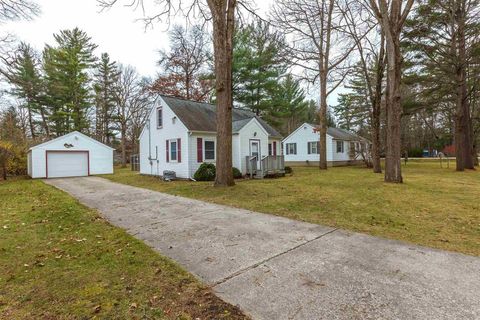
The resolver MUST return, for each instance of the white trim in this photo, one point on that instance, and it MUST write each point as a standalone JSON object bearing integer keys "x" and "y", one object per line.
{"x": 214, "y": 150}
{"x": 170, "y": 141}
{"x": 258, "y": 123}
{"x": 68, "y": 135}
{"x": 294, "y": 131}
{"x": 156, "y": 116}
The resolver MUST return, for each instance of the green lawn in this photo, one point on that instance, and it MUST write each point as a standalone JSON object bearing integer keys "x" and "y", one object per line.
{"x": 60, "y": 260}
{"x": 435, "y": 207}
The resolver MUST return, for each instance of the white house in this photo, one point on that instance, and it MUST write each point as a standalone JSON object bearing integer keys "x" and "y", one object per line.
{"x": 180, "y": 135}
{"x": 71, "y": 155}
{"x": 301, "y": 147}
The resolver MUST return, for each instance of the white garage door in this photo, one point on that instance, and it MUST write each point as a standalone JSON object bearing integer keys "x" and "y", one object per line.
{"x": 67, "y": 164}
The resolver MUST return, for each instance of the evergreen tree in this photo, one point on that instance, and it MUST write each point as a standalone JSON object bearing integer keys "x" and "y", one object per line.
{"x": 288, "y": 107}
{"x": 353, "y": 109}
{"x": 24, "y": 76}
{"x": 106, "y": 77}
{"x": 257, "y": 67}
{"x": 442, "y": 39}
{"x": 68, "y": 83}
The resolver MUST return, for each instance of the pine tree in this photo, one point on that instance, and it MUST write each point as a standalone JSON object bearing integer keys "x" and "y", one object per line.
{"x": 106, "y": 78}
{"x": 353, "y": 109}
{"x": 257, "y": 67}
{"x": 443, "y": 43}
{"x": 24, "y": 76}
{"x": 68, "y": 83}
{"x": 288, "y": 106}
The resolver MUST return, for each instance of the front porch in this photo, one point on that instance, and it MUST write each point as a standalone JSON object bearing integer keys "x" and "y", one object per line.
{"x": 268, "y": 166}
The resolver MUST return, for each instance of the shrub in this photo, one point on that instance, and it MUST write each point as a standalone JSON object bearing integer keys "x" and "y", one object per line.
{"x": 206, "y": 172}
{"x": 415, "y": 153}
{"x": 237, "y": 174}
{"x": 13, "y": 159}
{"x": 288, "y": 170}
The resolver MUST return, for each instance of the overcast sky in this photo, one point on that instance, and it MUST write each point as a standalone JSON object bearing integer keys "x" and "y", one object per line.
{"x": 116, "y": 31}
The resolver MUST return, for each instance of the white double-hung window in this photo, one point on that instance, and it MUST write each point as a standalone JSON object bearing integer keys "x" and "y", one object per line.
{"x": 159, "y": 118}
{"x": 173, "y": 150}
{"x": 314, "y": 147}
{"x": 209, "y": 150}
{"x": 339, "y": 146}
{"x": 291, "y": 148}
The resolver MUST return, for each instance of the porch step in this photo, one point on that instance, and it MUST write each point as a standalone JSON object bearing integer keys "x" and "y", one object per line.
{"x": 259, "y": 174}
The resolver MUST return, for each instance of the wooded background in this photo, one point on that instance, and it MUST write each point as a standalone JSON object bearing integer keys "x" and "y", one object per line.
{"x": 406, "y": 74}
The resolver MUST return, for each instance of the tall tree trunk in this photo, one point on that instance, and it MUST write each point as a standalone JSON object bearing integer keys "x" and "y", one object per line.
{"x": 463, "y": 134}
{"x": 30, "y": 122}
{"x": 323, "y": 120}
{"x": 123, "y": 144}
{"x": 377, "y": 107}
{"x": 393, "y": 170}
{"x": 223, "y": 14}
{"x": 44, "y": 122}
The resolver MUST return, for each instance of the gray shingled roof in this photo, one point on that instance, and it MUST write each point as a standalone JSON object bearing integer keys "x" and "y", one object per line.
{"x": 200, "y": 116}
{"x": 341, "y": 134}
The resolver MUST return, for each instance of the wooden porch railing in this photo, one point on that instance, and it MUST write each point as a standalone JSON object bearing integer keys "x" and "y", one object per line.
{"x": 251, "y": 166}
{"x": 273, "y": 165}
{"x": 269, "y": 165}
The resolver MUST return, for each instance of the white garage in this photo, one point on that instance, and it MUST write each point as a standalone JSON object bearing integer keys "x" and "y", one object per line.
{"x": 72, "y": 155}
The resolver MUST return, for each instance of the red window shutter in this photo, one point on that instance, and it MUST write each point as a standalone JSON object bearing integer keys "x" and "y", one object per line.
{"x": 168, "y": 154}
{"x": 179, "y": 150}
{"x": 199, "y": 150}
{"x": 274, "y": 148}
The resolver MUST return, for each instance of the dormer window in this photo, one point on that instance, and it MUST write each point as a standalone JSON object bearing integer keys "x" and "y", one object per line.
{"x": 159, "y": 118}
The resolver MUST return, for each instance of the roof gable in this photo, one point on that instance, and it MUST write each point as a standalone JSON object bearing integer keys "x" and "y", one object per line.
{"x": 44, "y": 144}
{"x": 335, "y": 133}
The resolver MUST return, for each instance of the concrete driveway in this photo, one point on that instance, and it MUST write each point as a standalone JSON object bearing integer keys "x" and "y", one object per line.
{"x": 277, "y": 268}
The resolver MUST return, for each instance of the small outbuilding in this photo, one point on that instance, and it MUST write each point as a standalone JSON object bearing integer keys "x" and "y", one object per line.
{"x": 71, "y": 155}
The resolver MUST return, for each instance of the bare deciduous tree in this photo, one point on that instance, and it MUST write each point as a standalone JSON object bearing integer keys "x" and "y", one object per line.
{"x": 12, "y": 10}
{"x": 185, "y": 65}
{"x": 222, "y": 15}
{"x": 319, "y": 45}
{"x": 132, "y": 99}
{"x": 17, "y": 10}
{"x": 371, "y": 51}
{"x": 391, "y": 16}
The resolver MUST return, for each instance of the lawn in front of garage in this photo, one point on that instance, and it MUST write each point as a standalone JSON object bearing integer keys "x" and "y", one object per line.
{"x": 61, "y": 260}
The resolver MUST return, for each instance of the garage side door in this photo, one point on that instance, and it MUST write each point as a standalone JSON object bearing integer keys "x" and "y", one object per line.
{"x": 67, "y": 164}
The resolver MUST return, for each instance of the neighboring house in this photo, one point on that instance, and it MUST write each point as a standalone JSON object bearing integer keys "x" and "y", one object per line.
{"x": 180, "y": 135}
{"x": 71, "y": 155}
{"x": 301, "y": 147}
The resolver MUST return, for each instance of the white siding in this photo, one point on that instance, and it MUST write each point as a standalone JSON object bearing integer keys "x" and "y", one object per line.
{"x": 29, "y": 163}
{"x": 279, "y": 145}
{"x": 101, "y": 156}
{"x": 194, "y": 164}
{"x": 172, "y": 128}
{"x": 189, "y": 165}
{"x": 343, "y": 156}
{"x": 251, "y": 131}
{"x": 302, "y": 136}
{"x": 240, "y": 146}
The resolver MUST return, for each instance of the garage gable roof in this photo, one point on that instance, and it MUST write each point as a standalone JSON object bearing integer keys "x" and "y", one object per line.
{"x": 44, "y": 144}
